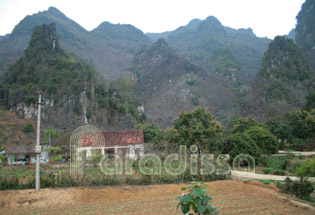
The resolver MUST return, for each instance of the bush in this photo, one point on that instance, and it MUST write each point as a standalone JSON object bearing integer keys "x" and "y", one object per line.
{"x": 301, "y": 189}
{"x": 264, "y": 139}
{"x": 28, "y": 128}
{"x": 292, "y": 167}
{"x": 241, "y": 143}
{"x": 306, "y": 169}
{"x": 276, "y": 162}
{"x": 122, "y": 108}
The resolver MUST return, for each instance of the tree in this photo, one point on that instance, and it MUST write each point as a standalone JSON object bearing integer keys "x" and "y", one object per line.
{"x": 264, "y": 139}
{"x": 28, "y": 128}
{"x": 151, "y": 134}
{"x": 302, "y": 123}
{"x": 240, "y": 143}
{"x": 306, "y": 169}
{"x": 50, "y": 133}
{"x": 310, "y": 102}
{"x": 196, "y": 127}
{"x": 241, "y": 124}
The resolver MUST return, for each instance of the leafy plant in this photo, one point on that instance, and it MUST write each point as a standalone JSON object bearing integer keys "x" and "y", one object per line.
{"x": 196, "y": 199}
{"x": 28, "y": 128}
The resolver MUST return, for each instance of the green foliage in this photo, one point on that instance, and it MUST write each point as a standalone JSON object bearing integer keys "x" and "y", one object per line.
{"x": 264, "y": 139}
{"x": 28, "y": 128}
{"x": 53, "y": 149}
{"x": 275, "y": 165}
{"x": 88, "y": 113}
{"x": 152, "y": 134}
{"x": 283, "y": 61}
{"x": 196, "y": 127}
{"x": 310, "y": 102}
{"x": 122, "y": 108}
{"x": 242, "y": 124}
{"x": 240, "y": 143}
{"x": 302, "y": 123}
{"x": 224, "y": 61}
{"x": 301, "y": 189}
{"x": 306, "y": 169}
{"x": 196, "y": 199}
{"x": 191, "y": 82}
{"x": 50, "y": 133}
{"x": 195, "y": 98}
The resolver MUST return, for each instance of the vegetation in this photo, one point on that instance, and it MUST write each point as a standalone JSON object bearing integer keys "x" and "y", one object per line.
{"x": 28, "y": 128}
{"x": 264, "y": 139}
{"x": 284, "y": 61}
{"x": 196, "y": 127}
{"x": 225, "y": 62}
{"x": 196, "y": 199}
{"x": 152, "y": 134}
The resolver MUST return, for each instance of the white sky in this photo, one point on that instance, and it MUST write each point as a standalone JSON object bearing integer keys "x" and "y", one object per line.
{"x": 267, "y": 18}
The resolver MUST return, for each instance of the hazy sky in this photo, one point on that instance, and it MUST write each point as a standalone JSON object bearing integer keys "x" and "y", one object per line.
{"x": 267, "y": 18}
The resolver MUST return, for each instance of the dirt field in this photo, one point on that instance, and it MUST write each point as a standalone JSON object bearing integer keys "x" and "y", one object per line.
{"x": 229, "y": 197}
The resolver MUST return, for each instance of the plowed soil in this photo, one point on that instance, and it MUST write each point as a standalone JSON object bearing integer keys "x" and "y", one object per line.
{"x": 229, "y": 197}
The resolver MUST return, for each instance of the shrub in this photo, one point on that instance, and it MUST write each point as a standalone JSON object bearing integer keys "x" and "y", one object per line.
{"x": 191, "y": 82}
{"x": 276, "y": 162}
{"x": 241, "y": 143}
{"x": 122, "y": 108}
{"x": 292, "y": 167}
{"x": 264, "y": 139}
{"x": 197, "y": 199}
{"x": 306, "y": 169}
{"x": 267, "y": 170}
{"x": 301, "y": 189}
{"x": 88, "y": 113}
{"x": 28, "y": 128}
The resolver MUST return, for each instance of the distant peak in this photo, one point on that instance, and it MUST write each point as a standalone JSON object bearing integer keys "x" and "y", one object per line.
{"x": 53, "y": 10}
{"x": 193, "y": 24}
{"x": 213, "y": 20}
{"x": 161, "y": 42}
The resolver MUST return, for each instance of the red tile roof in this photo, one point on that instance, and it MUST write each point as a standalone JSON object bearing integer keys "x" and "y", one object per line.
{"x": 123, "y": 138}
{"x": 113, "y": 138}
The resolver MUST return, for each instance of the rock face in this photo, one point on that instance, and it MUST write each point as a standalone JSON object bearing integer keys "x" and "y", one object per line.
{"x": 200, "y": 39}
{"x": 305, "y": 30}
{"x": 73, "y": 90}
{"x": 168, "y": 84}
{"x": 109, "y": 47}
{"x": 282, "y": 83}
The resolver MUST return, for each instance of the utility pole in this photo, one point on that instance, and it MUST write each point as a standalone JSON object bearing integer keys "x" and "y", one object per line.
{"x": 38, "y": 147}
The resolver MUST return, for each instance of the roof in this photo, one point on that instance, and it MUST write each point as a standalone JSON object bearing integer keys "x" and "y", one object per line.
{"x": 20, "y": 149}
{"x": 123, "y": 138}
{"x": 112, "y": 138}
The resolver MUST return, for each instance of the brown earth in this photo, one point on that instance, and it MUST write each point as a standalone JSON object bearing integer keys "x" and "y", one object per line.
{"x": 229, "y": 197}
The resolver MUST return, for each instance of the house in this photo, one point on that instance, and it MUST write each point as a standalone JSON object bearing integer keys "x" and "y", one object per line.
{"x": 126, "y": 142}
{"x": 19, "y": 154}
{"x": 23, "y": 154}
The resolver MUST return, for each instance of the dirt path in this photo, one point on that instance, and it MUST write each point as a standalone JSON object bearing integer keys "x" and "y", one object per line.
{"x": 229, "y": 197}
{"x": 253, "y": 176}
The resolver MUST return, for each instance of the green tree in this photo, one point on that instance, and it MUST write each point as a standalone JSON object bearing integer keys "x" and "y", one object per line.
{"x": 302, "y": 123}
{"x": 242, "y": 124}
{"x": 152, "y": 134}
{"x": 240, "y": 143}
{"x": 306, "y": 169}
{"x": 264, "y": 139}
{"x": 50, "y": 133}
{"x": 196, "y": 127}
{"x": 28, "y": 128}
{"x": 310, "y": 102}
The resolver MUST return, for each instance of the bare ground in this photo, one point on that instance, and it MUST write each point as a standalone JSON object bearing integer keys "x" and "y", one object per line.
{"x": 229, "y": 197}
